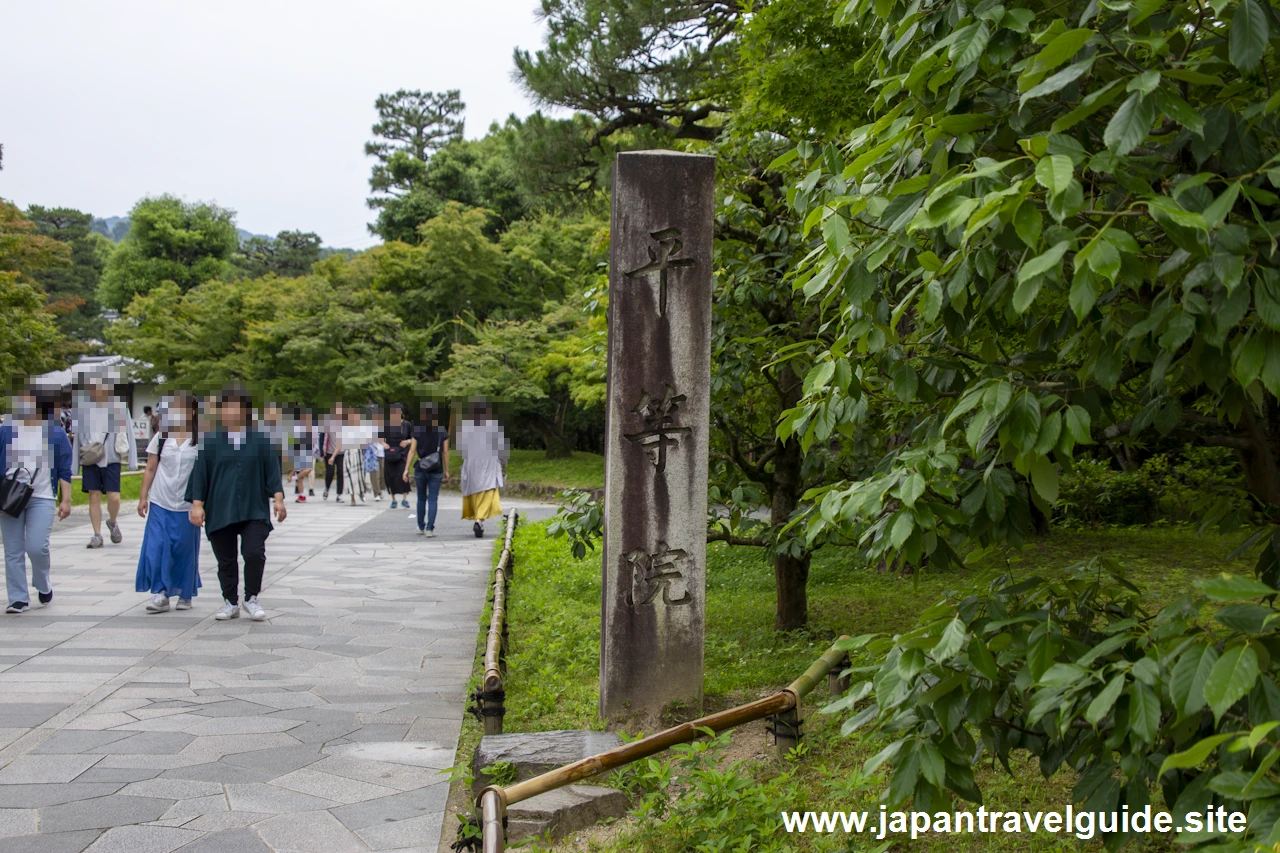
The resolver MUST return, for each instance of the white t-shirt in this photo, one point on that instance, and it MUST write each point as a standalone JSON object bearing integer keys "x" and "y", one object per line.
{"x": 354, "y": 437}
{"x": 98, "y": 422}
{"x": 30, "y": 456}
{"x": 170, "y": 485}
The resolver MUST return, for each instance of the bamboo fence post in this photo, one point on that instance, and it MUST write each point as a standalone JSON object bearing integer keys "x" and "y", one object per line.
{"x": 491, "y": 700}
{"x": 837, "y": 683}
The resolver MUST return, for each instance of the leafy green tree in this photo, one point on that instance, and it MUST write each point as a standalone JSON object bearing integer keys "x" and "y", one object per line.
{"x": 1014, "y": 282}
{"x": 764, "y": 67}
{"x": 455, "y": 270}
{"x": 412, "y": 126}
{"x": 194, "y": 339}
{"x": 72, "y": 289}
{"x": 651, "y": 64}
{"x": 187, "y": 243}
{"x": 289, "y": 254}
{"x": 1058, "y": 229}
{"x": 549, "y": 257}
{"x": 800, "y": 73}
{"x": 328, "y": 343}
{"x": 531, "y": 366}
{"x": 29, "y": 338}
{"x": 304, "y": 339}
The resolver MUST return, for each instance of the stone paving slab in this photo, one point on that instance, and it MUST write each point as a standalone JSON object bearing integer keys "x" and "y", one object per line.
{"x": 322, "y": 729}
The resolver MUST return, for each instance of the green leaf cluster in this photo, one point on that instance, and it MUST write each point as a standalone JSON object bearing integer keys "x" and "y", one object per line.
{"x": 1073, "y": 671}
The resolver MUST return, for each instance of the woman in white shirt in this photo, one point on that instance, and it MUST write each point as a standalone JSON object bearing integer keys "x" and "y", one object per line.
{"x": 353, "y": 437}
{"x": 169, "y": 563}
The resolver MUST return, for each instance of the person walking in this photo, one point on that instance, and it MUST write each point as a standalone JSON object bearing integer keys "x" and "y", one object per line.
{"x": 429, "y": 456}
{"x": 303, "y": 455}
{"x": 333, "y": 456}
{"x": 351, "y": 441}
{"x": 317, "y": 450}
{"x": 375, "y": 453}
{"x": 103, "y": 443}
{"x": 277, "y": 431}
{"x": 169, "y": 565}
{"x": 33, "y": 451}
{"x": 484, "y": 450}
{"x": 396, "y": 439}
{"x": 235, "y": 481}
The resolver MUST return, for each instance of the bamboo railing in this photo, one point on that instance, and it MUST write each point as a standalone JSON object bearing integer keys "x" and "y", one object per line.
{"x": 491, "y": 697}
{"x": 782, "y": 706}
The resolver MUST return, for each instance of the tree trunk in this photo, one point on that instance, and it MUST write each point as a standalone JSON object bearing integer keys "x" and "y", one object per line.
{"x": 1039, "y": 521}
{"x": 552, "y": 439}
{"x": 790, "y": 573}
{"x": 1261, "y": 475}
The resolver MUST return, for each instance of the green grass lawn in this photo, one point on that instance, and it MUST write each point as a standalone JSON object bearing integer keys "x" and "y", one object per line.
{"x": 554, "y": 656}
{"x": 579, "y": 471}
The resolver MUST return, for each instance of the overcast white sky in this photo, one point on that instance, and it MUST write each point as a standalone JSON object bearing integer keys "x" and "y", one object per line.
{"x": 263, "y": 107}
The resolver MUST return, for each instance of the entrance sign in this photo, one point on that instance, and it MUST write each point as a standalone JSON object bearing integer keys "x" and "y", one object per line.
{"x": 657, "y": 426}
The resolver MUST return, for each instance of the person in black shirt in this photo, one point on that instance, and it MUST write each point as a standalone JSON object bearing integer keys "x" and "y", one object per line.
{"x": 396, "y": 438}
{"x": 429, "y": 456}
{"x": 333, "y": 461}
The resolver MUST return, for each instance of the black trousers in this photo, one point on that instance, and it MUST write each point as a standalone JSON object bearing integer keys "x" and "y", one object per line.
{"x": 252, "y": 536}
{"x": 396, "y": 483}
{"x": 331, "y": 470}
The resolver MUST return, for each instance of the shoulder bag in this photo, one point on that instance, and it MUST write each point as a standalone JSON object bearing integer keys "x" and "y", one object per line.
{"x": 14, "y": 495}
{"x": 396, "y": 453}
{"x": 431, "y": 463}
{"x": 92, "y": 453}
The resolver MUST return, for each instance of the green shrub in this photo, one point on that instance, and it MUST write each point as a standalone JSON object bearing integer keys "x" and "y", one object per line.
{"x": 1198, "y": 481}
{"x": 1074, "y": 672}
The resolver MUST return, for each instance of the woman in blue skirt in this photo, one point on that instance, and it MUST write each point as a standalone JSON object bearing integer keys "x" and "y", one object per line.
{"x": 169, "y": 564}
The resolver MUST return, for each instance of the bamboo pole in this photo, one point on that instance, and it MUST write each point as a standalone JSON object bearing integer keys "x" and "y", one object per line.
{"x": 838, "y": 684}
{"x": 782, "y": 701}
{"x": 494, "y": 799}
{"x": 493, "y": 652}
{"x": 492, "y": 812}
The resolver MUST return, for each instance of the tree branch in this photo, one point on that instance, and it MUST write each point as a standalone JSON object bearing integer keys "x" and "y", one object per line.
{"x": 733, "y": 539}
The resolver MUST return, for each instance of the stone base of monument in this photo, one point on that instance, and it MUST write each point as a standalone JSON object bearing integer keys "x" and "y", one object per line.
{"x": 558, "y": 813}
{"x": 534, "y": 753}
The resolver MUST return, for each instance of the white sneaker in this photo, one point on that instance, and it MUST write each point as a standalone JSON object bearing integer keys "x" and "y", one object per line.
{"x": 430, "y": 534}
{"x": 159, "y": 603}
{"x": 183, "y": 604}
{"x": 228, "y": 611}
{"x": 254, "y": 609}
{"x": 377, "y": 497}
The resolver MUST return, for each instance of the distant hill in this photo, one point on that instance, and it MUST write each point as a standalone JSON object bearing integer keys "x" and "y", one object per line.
{"x": 115, "y": 228}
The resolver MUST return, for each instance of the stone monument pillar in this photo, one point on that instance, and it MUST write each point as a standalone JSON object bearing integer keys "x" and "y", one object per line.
{"x": 656, "y": 427}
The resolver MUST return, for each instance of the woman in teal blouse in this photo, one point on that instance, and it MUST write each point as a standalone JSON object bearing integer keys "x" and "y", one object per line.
{"x": 234, "y": 482}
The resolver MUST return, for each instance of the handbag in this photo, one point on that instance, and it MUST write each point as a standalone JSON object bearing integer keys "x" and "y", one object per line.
{"x": 92, "y": 453}
{"x": 14, "y": 495}
{"x": 396, "y": 453}
{"x": 122, "y": 444}
{"x": 430, "y": 464}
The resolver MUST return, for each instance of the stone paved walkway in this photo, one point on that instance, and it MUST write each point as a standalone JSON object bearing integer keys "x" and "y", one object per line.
{"x": 322, "y": 730}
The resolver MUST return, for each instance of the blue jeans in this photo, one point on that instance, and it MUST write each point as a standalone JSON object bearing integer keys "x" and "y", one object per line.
{"x": 428, "y": 497}
{"x": 27, "y": 536}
